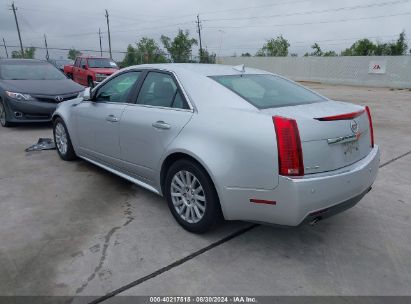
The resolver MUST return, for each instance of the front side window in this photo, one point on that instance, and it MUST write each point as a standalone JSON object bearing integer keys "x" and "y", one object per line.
{"x": 160, "y": 90}
{"x": 268, "y": 91}
{"x": 83, "y": 63}
{"x": 118, "y": 88}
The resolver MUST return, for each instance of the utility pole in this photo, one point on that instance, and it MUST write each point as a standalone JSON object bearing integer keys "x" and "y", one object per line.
{"x": 99, "y": 36}
{"x": 5, "y": 47}
{"x": 109, "y": 38}
{"x": 199, "y": 37}
{"x": 47, "y": 49}
{"x": 18, "y": 29}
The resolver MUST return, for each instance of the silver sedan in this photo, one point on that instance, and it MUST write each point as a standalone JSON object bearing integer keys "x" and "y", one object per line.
{"x": 224, "y": 142}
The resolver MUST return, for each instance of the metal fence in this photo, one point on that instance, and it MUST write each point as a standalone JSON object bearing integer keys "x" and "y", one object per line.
{"x": 376, "y": 71}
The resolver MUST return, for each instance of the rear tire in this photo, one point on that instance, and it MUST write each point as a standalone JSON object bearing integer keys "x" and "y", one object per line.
{"x": 191, "y": 196}
{"x": 3, "y": 116}
{"x": 63, "y": 142}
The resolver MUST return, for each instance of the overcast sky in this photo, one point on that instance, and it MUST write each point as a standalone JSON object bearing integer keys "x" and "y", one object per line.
{"x": 228, "y": 26}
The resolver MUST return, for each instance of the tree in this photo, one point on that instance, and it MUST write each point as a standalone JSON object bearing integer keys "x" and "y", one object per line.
{"x": 130, "y": 57}
{"x": 400, "y": 46}
{"x": 28, "y": 53}
{"x": 73, "y": 53}
{"x": 330, "y": 54}
{"x": 246, "y": 55}
{"x": 294, "y": 55}
{"x": 207, "y": 57}
{"x": 148, "y": 51}
{"x": 317, "y": 50}
{"x": 180, "y": 48}
{"x": 363, "y": 47}
{"x": 275, "y": 47}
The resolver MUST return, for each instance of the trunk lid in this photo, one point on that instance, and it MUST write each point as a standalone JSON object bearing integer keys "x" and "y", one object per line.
{"x": 328, "y": 145}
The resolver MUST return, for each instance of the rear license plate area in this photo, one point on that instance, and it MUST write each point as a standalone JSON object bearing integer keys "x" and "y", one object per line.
{"x": 351, "y": 150}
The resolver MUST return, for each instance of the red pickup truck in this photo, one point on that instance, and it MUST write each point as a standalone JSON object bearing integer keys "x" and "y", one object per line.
{"x": 89, "y": 71}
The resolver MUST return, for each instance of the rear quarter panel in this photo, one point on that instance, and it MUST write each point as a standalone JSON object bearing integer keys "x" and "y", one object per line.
{"x": 237, "y": 147}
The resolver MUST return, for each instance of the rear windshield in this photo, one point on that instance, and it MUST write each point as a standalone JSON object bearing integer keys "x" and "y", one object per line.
{"x": 267, "y": 91}
{"x": 30, "y": 72}
{"x": 101, "y": 63}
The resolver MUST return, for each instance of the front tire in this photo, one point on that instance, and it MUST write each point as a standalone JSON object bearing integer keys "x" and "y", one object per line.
{"x": 3, "y": 115}
{"x": 63, "y": 142}
{"x": 191, "y": 196}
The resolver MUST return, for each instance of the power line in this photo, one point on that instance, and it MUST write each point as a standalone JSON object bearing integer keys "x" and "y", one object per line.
{"x": 313, "y": 11}
{"x": 64, "y": 49}
{"x": 309, "y": 23}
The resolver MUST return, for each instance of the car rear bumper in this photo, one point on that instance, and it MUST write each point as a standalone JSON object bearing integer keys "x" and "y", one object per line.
{"x": 297, "y": 200}
{"x": 29, "y": 111}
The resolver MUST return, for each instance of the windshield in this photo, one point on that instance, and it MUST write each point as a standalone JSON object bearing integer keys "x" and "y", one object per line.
{"x": 64, "y": 62}
{"x": 101, "y": 63}
{"x": 268, "y": 91}
{"x": 30, "y": 72}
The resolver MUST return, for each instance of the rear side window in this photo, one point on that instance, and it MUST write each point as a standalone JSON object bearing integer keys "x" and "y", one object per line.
{"x": 268, "y": 91}
{"x": 160, "y": 90}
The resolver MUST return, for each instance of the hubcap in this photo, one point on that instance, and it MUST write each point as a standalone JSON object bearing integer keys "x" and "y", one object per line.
{"x": 188, "y": 197}
{"x": 61, "y": 138}
{"x": 2, "y": 114}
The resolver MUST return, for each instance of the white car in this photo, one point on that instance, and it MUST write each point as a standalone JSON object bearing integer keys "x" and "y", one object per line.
{"x": 226, "y": 141}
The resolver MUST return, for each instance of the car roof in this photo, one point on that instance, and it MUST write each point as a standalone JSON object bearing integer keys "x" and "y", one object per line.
{"x": 22, "y": 61}
{"x": 92, "y": 57}
{"x": 200, "y": 69}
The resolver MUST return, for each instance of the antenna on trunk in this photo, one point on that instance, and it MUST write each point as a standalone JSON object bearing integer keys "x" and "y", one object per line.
{"x": 239, "y": 68}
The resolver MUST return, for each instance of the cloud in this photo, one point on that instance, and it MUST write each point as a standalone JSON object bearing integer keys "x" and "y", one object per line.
{"x": 228, "y": 27}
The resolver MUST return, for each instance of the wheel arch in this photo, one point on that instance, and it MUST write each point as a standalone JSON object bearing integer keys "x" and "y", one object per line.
{"x": 178, "y": 155}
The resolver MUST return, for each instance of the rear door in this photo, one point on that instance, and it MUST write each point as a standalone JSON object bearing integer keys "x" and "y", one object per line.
{"x": 98, "y": 120}
{"x": 149, "y": 126}
{"x": 76, "y": 70}
{"x": 82, "y": 72}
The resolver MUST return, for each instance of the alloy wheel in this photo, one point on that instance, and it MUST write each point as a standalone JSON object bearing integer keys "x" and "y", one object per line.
{"x": 188, "y": 197}
{"x": 61, "y": 138}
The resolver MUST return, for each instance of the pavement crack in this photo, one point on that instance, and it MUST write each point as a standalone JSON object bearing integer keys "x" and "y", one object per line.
{"x": 103, "y": 256}
{"x": 175, "y": 264}
{"x": 128, "y": 212}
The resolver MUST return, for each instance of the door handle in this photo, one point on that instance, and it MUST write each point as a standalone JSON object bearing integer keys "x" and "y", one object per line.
{"x": 112, "y": 118}
{"x": 161, "y": 125}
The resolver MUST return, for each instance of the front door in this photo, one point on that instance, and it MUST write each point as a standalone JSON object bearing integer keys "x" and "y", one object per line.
{"x": 150, "y": 125}
{"x": 98, "y": 120}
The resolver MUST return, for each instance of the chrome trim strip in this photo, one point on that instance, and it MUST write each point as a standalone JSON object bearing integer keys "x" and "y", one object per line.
{"x": 342, "y": 139}
{"x": 127, "y": 177}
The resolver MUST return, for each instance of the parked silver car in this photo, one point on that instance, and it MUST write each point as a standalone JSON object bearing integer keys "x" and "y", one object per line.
{"x": 226, "y": 141}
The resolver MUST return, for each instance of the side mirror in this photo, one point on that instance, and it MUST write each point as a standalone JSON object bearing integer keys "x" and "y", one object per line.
{"x": 87, "y": 94}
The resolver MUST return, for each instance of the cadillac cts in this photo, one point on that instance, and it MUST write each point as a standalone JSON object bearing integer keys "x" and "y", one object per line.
{"x": 226, "y": 141}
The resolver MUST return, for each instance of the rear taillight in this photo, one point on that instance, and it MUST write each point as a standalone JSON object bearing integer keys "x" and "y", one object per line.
{"x": 290, "y": 155}
{"x": 371, "y": 127}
